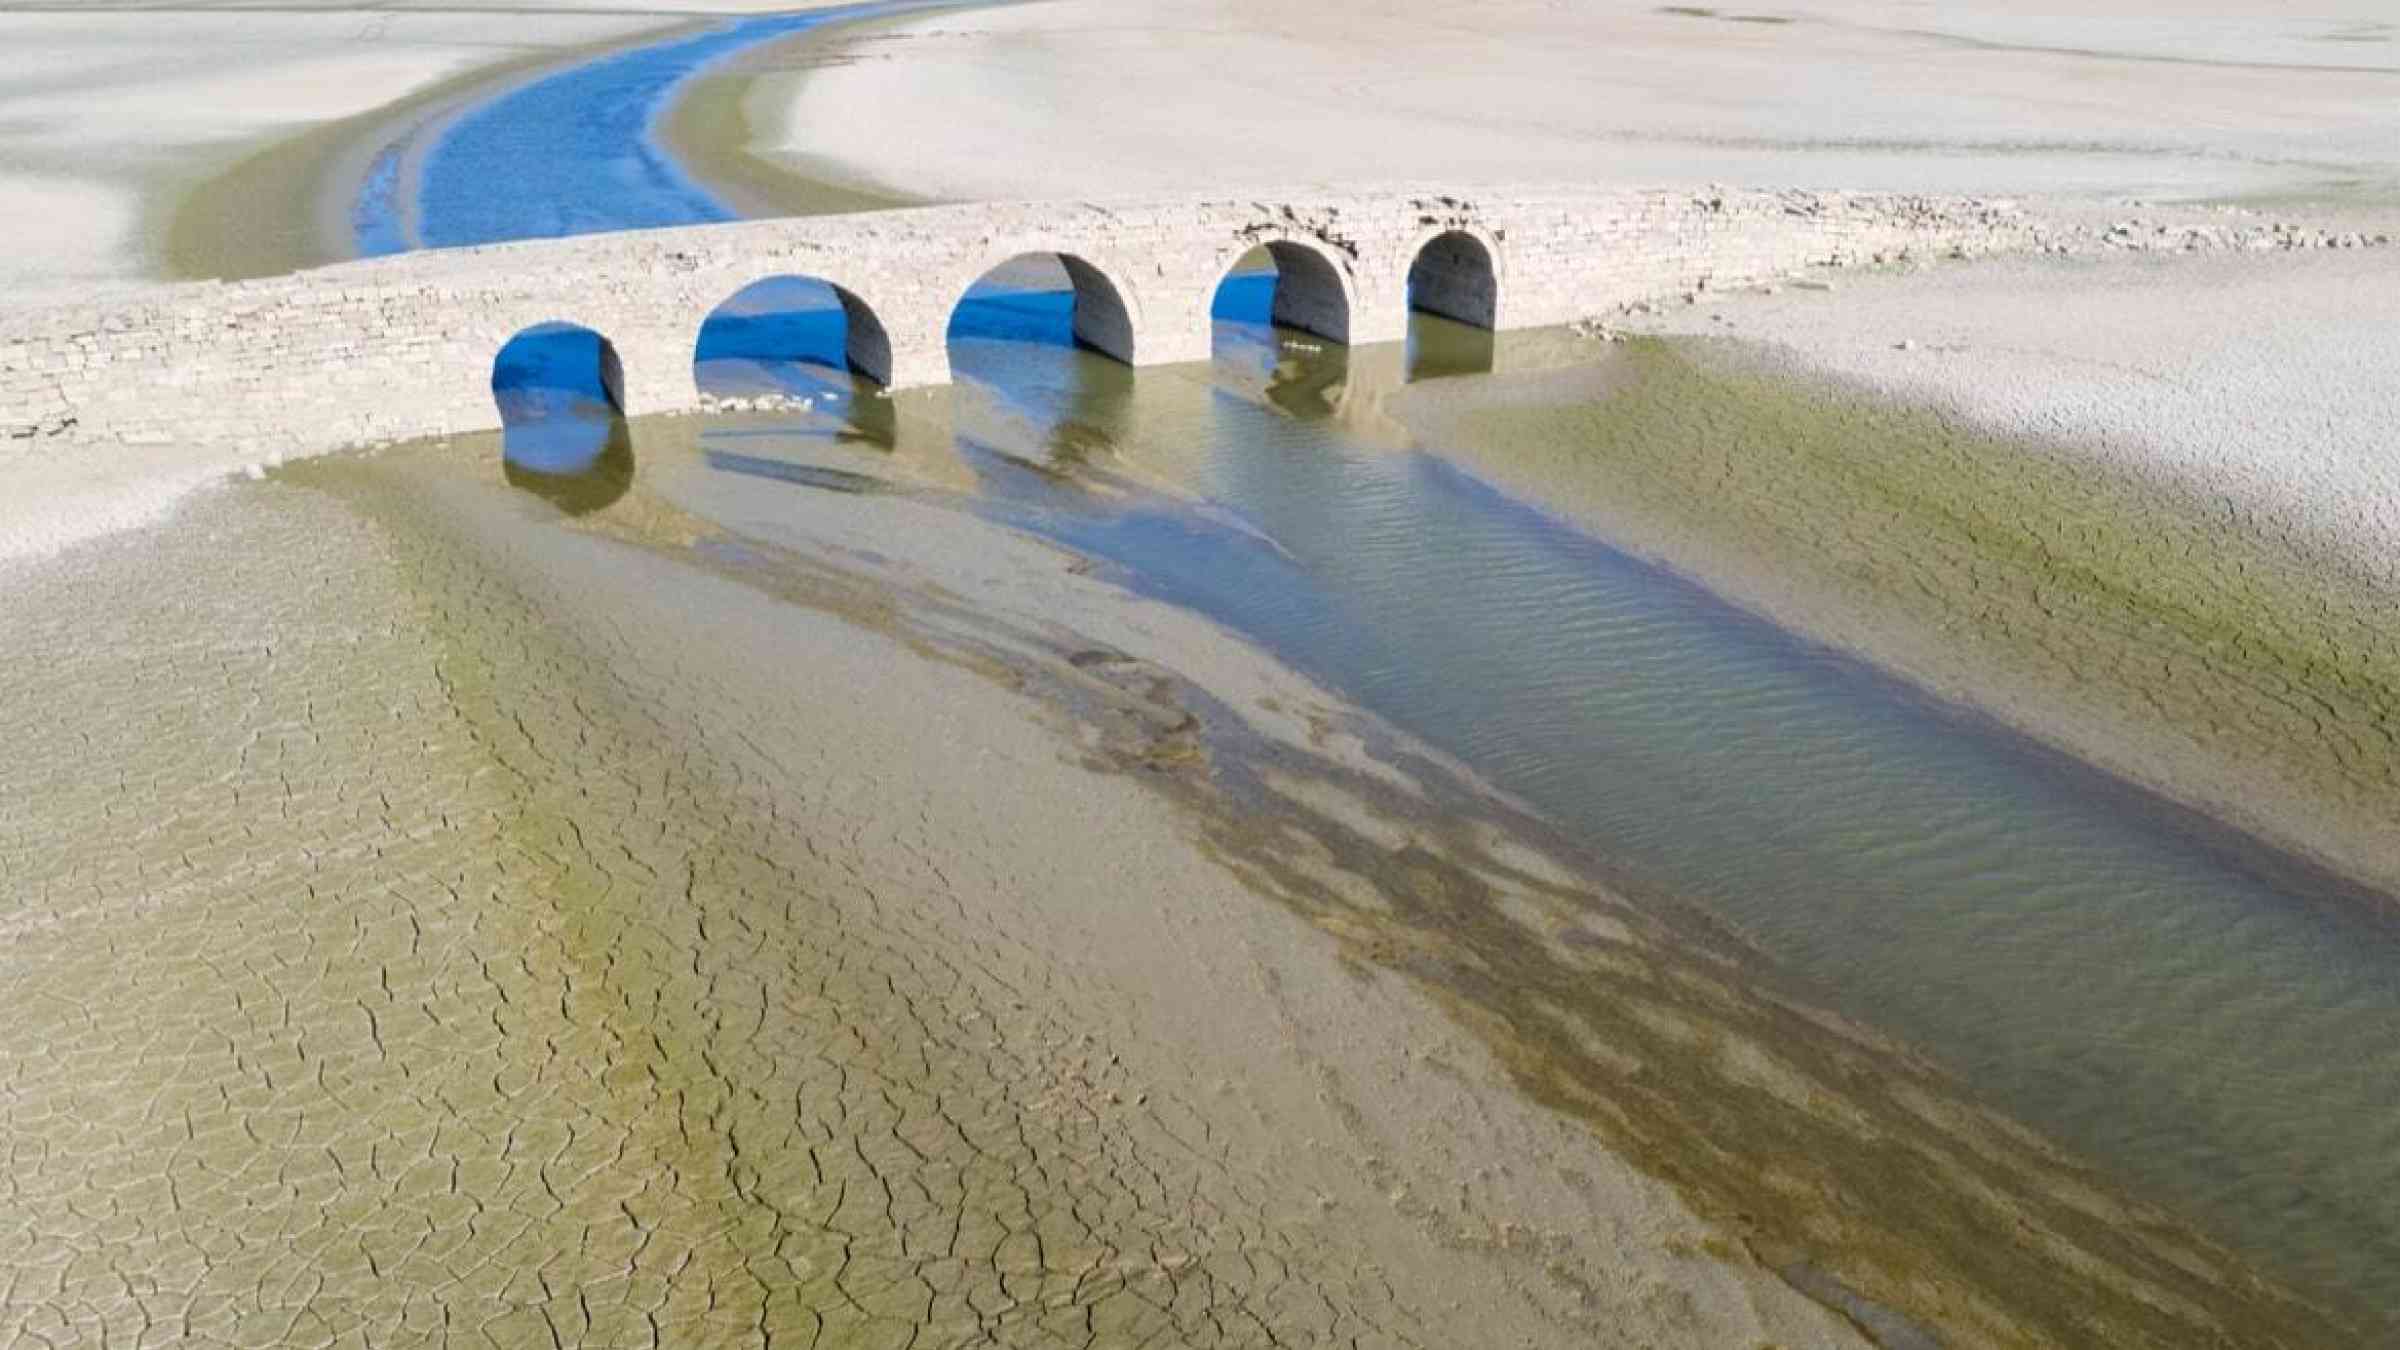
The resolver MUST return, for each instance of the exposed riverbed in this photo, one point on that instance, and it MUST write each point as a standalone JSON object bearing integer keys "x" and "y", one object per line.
{"x": 2211, "y": 1022}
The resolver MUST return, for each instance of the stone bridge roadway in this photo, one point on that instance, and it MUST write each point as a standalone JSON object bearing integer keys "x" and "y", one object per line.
{"x": 397, "y": 347}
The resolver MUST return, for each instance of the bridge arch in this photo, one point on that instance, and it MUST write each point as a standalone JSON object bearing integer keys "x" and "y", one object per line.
{"x": 560, "y": 390}
{"x": 556, "y": 365}
{"x": 1455, "y": 272}
{"x": 1018, "y": 296}
{"x": 799, "y": 319}
{"x": 1313, "y": 292}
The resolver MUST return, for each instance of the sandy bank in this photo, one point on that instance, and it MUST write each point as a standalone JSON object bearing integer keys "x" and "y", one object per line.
{"x": 2143, "y": 97}
{"x": 112, "y": 115}
{"x": 709, "y": 131}
{"x": 2271, "y": 382}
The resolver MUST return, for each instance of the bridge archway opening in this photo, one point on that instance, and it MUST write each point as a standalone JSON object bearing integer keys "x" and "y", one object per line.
{"x": 1453, "y": 306}
{"x": 786, "y": 329}
{"x": 809, "y": 352}
{"x": 1045, "y": 299}
{"x": 1284, "y": 284}
{"x": 1453, "y": 275}
{"x": 1041, "y": 347}
{"x": 560, "y": 388}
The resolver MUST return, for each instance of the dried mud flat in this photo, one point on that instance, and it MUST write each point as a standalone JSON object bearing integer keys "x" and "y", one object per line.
{"x": 433, "y": 921}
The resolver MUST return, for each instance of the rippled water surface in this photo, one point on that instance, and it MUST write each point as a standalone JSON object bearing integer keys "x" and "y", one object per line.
{"x": 2210, "y": 1021}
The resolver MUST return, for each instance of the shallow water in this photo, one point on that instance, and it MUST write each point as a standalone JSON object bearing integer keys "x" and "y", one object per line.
{"x": 574, "y": 148}
{"x": 2208, "y": 1020}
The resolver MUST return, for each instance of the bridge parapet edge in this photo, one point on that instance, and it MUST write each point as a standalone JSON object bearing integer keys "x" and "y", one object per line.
{"x": 393, "y": 348}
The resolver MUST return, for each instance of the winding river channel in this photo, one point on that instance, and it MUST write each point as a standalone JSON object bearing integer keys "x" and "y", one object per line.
{"x": 2216, "y": 1024}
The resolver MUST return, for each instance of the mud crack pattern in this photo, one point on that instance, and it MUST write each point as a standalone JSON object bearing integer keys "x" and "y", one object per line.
{"x": 391, "y": 981}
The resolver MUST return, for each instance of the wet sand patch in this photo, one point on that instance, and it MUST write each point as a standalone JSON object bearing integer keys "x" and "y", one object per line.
{"x": 2107, "y": 610}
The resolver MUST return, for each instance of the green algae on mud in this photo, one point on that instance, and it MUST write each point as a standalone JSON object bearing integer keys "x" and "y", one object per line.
{"x": 2136, "y": 622}
{"x": 1825, "y": 1151}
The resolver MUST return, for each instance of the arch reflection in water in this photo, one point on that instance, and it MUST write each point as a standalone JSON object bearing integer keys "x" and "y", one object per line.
{"x": 563, "y": 434}
{"x": 1440, "y": 347}
{"x": 1453, "y": 307}
{"x": 1038, "y": 338}
{"x": 804, "y": 348}
{"x": 593, "y": 482}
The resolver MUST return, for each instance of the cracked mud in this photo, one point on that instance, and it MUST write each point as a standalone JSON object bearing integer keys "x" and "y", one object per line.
{"x": 431, "y": 923}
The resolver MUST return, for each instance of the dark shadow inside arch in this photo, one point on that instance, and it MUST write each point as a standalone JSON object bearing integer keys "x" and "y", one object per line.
{"x": 1453, "y": 276}
{"x": 561, "y": 394}
{"x": 803, "y": 350}
{"x": 1284, "y": 285}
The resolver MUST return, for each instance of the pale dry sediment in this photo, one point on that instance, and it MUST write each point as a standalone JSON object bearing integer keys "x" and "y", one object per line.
{"x": 2149, "y": 97}
{"x": 708, "y": 129}
{"x": 431, "y": 919}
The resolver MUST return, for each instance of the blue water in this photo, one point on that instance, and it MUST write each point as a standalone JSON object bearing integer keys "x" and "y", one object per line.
{"x": 562, "y": 436}
{"x": 567, "y": 153}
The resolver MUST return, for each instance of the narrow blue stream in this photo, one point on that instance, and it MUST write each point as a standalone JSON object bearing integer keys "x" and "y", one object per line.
{"x": 571, "y": 152}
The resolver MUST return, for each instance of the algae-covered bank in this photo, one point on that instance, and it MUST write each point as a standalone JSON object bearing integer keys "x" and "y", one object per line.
{"x": 746, "y": 912}
{"x": 2126, "y": 614}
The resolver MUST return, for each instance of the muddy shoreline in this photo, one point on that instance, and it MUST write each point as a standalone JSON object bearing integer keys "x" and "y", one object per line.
{"x": 2117, "y": 615}
{"x": 1827, "y": 1152}
{"x": 709, "y": 130}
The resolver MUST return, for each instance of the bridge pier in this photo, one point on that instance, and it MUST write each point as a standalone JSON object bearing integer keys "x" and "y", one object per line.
{"x": 921, "y": 363}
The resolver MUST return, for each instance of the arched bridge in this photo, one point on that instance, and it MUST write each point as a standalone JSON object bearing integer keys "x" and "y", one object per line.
{"x": 396, "y": 347}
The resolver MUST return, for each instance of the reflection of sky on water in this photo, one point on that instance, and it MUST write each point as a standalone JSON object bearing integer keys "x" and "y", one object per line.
{"x": 797, "y": 319}
{"x": 1245, "y": 296}
{"x": 560, "y": 433}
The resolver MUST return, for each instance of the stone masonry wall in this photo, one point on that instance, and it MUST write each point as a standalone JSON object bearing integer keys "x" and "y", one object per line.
{"x": 398, "y": 347}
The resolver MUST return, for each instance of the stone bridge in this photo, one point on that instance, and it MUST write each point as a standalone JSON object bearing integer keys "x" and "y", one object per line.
{"x": 398, "y": 347}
